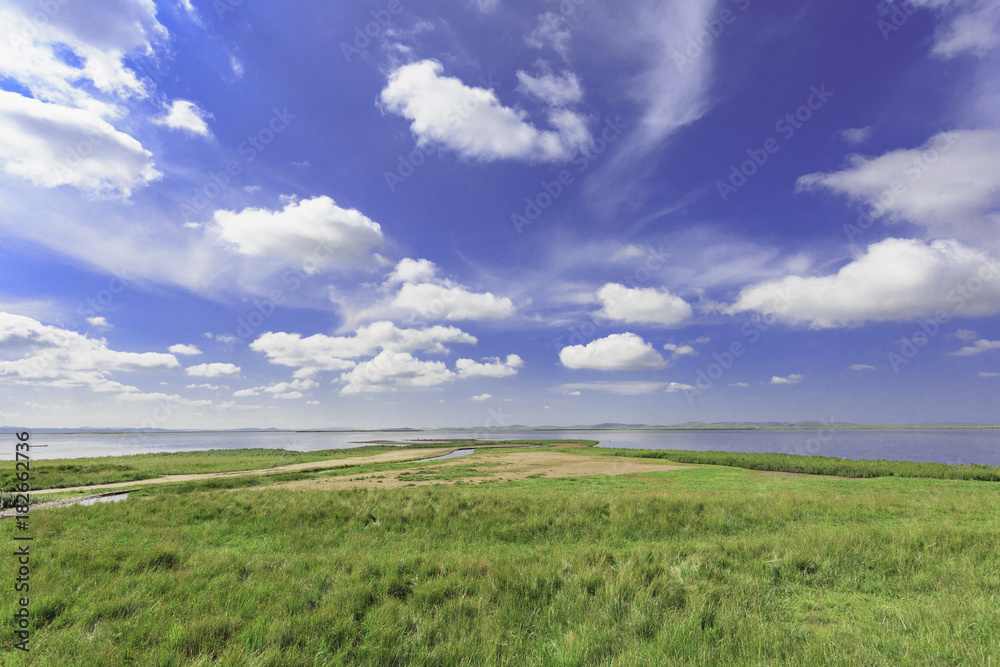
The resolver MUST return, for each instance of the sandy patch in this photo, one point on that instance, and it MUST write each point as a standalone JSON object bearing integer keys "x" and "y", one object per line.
{"x": 493, "y": 467}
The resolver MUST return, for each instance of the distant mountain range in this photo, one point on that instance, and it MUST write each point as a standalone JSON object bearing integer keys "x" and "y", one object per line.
{"x": 810, "y": 425}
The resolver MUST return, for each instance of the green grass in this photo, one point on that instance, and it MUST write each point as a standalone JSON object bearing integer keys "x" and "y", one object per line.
{"x": 707, "y": 566}
{"x": 819, "y": 465}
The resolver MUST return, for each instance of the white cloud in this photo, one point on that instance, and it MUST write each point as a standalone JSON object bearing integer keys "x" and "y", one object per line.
{"x": 472, "y": 121}
{"x": 856, "y": 135}
{"x": 320, "y": 352}
{"x": 641, "y": 305}
{"x": 626, "y": 388}
{"x": 452, "y": 302}
{"x": 313, "y": 233}
{"x": 99, "y": 34}
{"x": 413, "y": 271}
{"x": 679, "y": 350}
{"x": 288, "y": 387}
{"x": 134, "y": 397}
{"x": 674, "y": 387}
{"x": 390, "y": 371}
{"x": 98, "y": 322}
{"x": 986, "y": 374}
{"x": 551, "y": 30}
{"x": 862, "y": 367}
{"x": 413, "y": 287}
{"x": 216, "y": 370}
{"x": 617, "y": 352}
{"x": 243, "y": 393}
{"x": 896, "y": 279}
{"x": 947, "y": 186}
{"x": 186, "y": 116}
{"x": 184, "y": 350}
{"x": 51, "y": 145}
{"x": 35, "y": 353}
{"x": 212, "y": 387}
{"x": 551, "y": 89}
{"x": 482, "y": 397}
{"x": 965, "y": 335}
{"x": 741, "y": 385}
{"x": 289, "y": 395}
{"x": 493, "y": 368}
{"x": 968, "y": 26}
{"x": 794, "y": 378}
{"x": 980, "y": 346}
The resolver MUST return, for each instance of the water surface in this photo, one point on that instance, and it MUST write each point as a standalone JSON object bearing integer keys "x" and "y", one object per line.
{"x": 941, "y": 445}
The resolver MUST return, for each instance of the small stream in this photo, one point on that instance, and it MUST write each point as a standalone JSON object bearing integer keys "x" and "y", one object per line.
{"x": 457, "y": 452}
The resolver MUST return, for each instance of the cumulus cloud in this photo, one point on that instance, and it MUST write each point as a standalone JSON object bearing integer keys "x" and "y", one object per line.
{"x": 862, "y": 367}
{"x": 482, "y": 397}
{"x": 948, "y": 185}
{"x": 896, "y": 279}
{"x": 414, "y": 288}
{"x": 391, "y": 371}
{"x": 98, "y": 322}
{"x": 794, "y": 378}
{"x": 186, "y": 116}
{"x": 35, "y": 353}
{"x": 52, "y": 145}
{"x": 473, "y": 122}
{"x": 452, "y": 302}
{"x": 552, "y": 89}
{"x": 617, "y": 352}
{"x": 493, "y": 368}
{"x": 184, "y": 350}
{"x": 320, "y": 352}
{"x": 641, "y": 305}
{"x": 216, "y": 370}
{"x": 313, "y": 233}
{"x": 980, "y": 346}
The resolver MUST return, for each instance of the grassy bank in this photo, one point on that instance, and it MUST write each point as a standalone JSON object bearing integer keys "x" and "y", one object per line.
{"x": 819, "y": 465}
{"x": 700, "y": 566}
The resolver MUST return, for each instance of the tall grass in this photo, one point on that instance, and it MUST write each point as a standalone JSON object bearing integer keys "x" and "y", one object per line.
{"x": 819, "y": 465}
{"x": 695, "y": 567}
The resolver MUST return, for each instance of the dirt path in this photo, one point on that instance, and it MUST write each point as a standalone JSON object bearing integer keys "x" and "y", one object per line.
{"x": 387, "y": 457}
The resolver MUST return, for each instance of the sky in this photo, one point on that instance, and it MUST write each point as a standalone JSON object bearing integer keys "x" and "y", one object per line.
{"x": 482, "y": 213}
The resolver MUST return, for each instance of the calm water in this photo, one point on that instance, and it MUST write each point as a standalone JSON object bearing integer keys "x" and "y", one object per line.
{"x": 945, "y": 446}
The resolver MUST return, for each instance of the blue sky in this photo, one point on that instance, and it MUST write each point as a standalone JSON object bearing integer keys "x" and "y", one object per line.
{"x": 484, "y": 213}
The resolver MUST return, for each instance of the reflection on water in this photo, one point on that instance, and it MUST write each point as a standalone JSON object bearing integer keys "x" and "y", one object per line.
{"x": 457, "y": 452}
{"x": 118, "y": 497}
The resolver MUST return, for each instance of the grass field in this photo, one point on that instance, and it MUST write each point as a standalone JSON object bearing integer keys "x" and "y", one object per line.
{"x": 703, "y": 566}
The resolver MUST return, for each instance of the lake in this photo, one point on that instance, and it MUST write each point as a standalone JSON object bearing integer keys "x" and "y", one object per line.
{"x": 941, "y": 445}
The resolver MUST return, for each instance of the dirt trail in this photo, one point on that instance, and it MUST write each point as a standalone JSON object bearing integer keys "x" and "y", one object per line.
{"x": 387, "y": 457}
